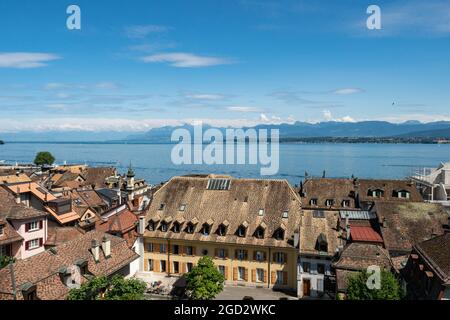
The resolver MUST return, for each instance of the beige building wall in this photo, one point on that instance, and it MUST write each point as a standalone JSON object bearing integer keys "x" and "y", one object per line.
{"x": 231, "y": 264}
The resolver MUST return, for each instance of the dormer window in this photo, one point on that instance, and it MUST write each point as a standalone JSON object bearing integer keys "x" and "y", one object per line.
{"x": 345, "y": 203}
{"x": 190, "y": 228}
{"x": 279, "y": 234}
{"x": 376, "y": 193}
{"x": 164, "y": 226}
{"x": 176, "y": 227}
{"x": 261, "y": 212}
{"x": 329, "y": 202}
{"x": 241, "y": 231}
{"x": 322, "y": 243}
{"x": 313, "y": 202}
{"x": 222, "y": 230}
{"x": 162, "y": 206}
{"x": 205, "y": 229}
{"x": 285, "y": 214}
{"x": 152, "y": 225}
{"x": 182, "y": 207}
{"x": 402, "y": 194}
{"x": 259, "y": 233}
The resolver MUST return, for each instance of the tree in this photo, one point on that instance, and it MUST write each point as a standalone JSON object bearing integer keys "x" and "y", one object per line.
{"x": 357, "y": 288}
{"x": 44, "y": 158}
{"x": 5, "y": 260}
{"x": 104, "y": 288}
{"x": 204, "y": 281}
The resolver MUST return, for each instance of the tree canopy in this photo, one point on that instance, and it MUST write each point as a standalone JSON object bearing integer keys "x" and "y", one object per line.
{"x": 204, "y": 281}
{"x": 357, "y": 288}
{"x": 44, "y": 158}
{"x": 104, "y": 288}
{"x": 5, "y": 260}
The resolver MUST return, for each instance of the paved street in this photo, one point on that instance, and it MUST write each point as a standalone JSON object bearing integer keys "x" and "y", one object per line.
{"x": 237, "y": 293}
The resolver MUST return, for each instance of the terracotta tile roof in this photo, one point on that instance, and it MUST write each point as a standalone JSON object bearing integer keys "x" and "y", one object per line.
{"x": 63, "y": 218}
{"x": 364, "y": 234}
{"x": 96, "y": 176}
{"x": 58, "y": 235}
{"x": 122, "y": 222}
{"x": 323, "y": 189}
{"x": 240, "y": 204}
{"x": 388, "y": 187}
{"x": 9, "y": 235}
{"x": 436, "y": 252}
{"x": 409, "y": 223}
{"x": 359, "y": 256}
{"x": 89, "y": 198}
{"x": 9, "y": 209}
{"x": 311, "y": 229}
{"x": 42, "y": 269}
{"x": 32, "y": 187}
{"x": 15, "y": 178}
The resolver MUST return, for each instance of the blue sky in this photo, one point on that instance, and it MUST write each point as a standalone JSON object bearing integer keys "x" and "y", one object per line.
{"x": 142, "y": 64}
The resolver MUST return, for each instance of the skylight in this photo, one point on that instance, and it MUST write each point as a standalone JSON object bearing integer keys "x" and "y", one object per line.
{"x": 218, "y": 184}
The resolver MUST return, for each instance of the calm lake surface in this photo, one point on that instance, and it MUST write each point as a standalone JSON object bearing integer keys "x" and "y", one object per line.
{"x": 153, "y": 161}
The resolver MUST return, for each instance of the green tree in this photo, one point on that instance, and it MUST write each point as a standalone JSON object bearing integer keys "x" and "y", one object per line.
{"x": 44, "y": 157}
{"x": 5, "y": 260}
{"x": 104, "y": 288}
{"x": 357, "y": 288}
{"x": 204, "y": 281}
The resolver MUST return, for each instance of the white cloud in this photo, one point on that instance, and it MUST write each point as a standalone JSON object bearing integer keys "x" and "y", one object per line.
{"x": 243, "y": 109}
{"x": 23, "y": 60}
{"x": 205, "y": 96}
{"x": 142, "y": 31}
{"x": 328, "y": 116}
{"x": 186, "y": 60}
{"x": 345, "y": 91}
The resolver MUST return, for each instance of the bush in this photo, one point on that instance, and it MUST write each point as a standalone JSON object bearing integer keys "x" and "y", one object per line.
{"x": 357, "y": 288}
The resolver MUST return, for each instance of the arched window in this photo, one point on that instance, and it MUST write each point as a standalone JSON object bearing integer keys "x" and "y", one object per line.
{"x": 176, "y": 227}
{"x": 376, "y": 193}
{"x": 322, "y": 243}
{"x": 205, "y": 229}
{"x": 222, "y": 230}
{"x": 279, "y": 234}
{"x": 190, "y": 227}
{"x": 259, "y": 233}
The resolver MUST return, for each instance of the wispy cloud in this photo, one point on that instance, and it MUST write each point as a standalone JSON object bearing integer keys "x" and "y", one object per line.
{"x": 345, "y": 91}
{"x": 141, "y": 31}
{"x": 244, "y": 109}
{"x": 205, "y": 96}
{"x": 185, "y": 60}
{"x": 24, "y": 60}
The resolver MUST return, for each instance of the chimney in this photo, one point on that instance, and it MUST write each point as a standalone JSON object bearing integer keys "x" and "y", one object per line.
{"x": 17, "y": 195}
{"x": 324, "y": 174}
{"x": 141, "y": 228}
{"x": 119, "y": 196}
{"x": 384, "y": 223}
{"x": 106, "y": 246}
{"x": 347, "y": 226}
{"x": 95, "y": 249}
{"x": 296, "y": 238}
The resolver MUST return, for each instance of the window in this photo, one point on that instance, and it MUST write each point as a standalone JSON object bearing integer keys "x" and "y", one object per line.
{"x": 320, "y": 285}
{"x": 241, "y": 273}
{"x": 285, "y": 214}
{"x": 260, "y": 256}
{"x": 222, "y": 230}
{"x": 280, "y": 276}
{"x": 30, "y": 295}
{"x": 2, "y": 227}
{"x": 176, "y": 267}
{"x": 33, "y": 244}
{"x": 313, "y": 202}
{"x": 189, "y": 251}
{"x": 376, "y": 193}
{"x": 162, "y": 248}
{"x": 261, "y": 212}
{"x": 319, "y": 214}
{"x": 189, "y": 266}
{"x": 241, "y": 254}
{"x": 175, "y": 249}
{"x": 221, "y": 253}
{"x": 259, "y": 275}
{"x": 241, "y": 231}
{"x": 259, "y": 233}
{"x": 176, "y": 227}
{"x": 401, "y": 194}
{"x": 279, "y": 234}
{"x": 222, "y": 270}
{"x": 151, "y": 265}
{"x": 345, "y": 203}
{"x": 150, "y": 247}
{"x": 190, "y": 228}
{"x": 306, "y": 267}
{"x": 329, "y": 202}
{"x": 205, "y": 229}
{"x": 33, "y": 226}
{"x": 5, "y": 250}
{"x": 182, "y": 207}
{"x": 163, "y": 226}
{"x": 162, "y": 206}
{"x": 279, "y": 257}
{"x": 152, "y": 225}
{"x": 163, "y": 265}
{"x": 320, "y": 268}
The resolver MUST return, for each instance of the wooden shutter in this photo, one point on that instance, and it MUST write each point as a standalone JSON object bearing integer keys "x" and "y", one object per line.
{"x": 41, "y": 224}
{"x": 273, "y": 278}
{"x": 27, "y": 245}
{"x": 285, "y": 278}
{"x": 41, "y": 241}
{"x": 181, "y": 251}
{"x": 236, "y": 254}
{"x": 193, "y": 251}
{"x": 254, "y": 275}
{"x": 226, "y": 273}
{"x": 235, "y": 274}
{"x": 145, "y": 264}
{"x": 264, "y": 256}
{"x": 285, "y": 258}
{"x": 156, "y": 247}
{"x": 156, "y": 266}
{"x": 245, "y": 255}
{"x": 254, "y": 255}
{"x": 246, "y": 274}
{"x": 27, "y": 227}
{"x": 169, "y": 266}
{"x": 216, "y": 253}
{"x": 183, "y": 267}
{"x": 274, "y": 257}
{"x": 226, "y": 253}
{"x": 265, "y": 276}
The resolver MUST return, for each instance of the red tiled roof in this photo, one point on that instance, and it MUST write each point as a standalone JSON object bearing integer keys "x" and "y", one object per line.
{"x": 366, "y": 234}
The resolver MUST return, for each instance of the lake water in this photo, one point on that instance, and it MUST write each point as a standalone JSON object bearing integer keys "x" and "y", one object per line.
{"x": 153, "y": 161}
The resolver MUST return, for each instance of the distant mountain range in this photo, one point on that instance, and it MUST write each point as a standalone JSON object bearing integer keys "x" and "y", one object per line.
{"x": 369, "y": 129}
{"x": 288, "y": 132}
